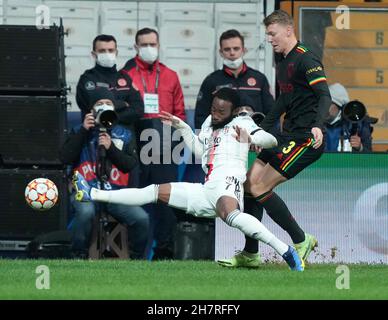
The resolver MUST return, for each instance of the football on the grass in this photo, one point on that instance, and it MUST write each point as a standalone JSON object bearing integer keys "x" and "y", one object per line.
{"x": 41, "y": 194}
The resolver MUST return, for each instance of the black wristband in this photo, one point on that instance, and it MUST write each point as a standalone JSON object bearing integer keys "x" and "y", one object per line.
{"x": 254, "y": 131}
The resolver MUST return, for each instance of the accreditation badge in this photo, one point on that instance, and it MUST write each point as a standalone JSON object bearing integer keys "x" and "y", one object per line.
{"x": 151, "y": 103}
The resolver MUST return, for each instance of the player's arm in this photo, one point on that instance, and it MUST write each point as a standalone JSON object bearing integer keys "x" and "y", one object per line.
{"x": 272, "y": 117}
{"x": 257, "y": 135}
{"x": 179, "y": 104}
{"x": 191, "y": 140}
{"x": 316, "y": 78}
{"x": 266, "y": 97}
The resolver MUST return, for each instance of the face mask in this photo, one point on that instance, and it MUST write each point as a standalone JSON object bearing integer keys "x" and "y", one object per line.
{"x": 235, "y": 64}
{"x": 107, "y": 60}
{"x": 148, "y": 54}
{"x": 332, "y": 120}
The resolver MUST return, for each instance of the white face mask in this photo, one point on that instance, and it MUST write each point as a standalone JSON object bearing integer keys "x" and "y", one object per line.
{"x": 233, "y": 64}
{"x": 107, "y": 60}
{"x": 336, "y": 119}
{"x": 148, "y": 54}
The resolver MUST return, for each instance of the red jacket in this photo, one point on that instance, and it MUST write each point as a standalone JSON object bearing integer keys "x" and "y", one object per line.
{"x": 169, "y": 87}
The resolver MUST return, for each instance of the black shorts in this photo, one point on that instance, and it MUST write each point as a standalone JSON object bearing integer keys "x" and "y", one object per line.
{"x": 291, "y": 155}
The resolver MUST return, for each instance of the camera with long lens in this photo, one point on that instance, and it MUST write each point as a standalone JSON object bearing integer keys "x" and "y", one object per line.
{"x": 354, "y": 112}
{"x": 105, "y": 116}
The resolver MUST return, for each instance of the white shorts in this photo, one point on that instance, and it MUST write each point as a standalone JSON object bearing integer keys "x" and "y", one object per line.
{"x": 200, "y": 199}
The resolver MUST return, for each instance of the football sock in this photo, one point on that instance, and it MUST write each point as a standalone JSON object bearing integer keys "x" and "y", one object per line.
{"x": 256, "y": 210}
{"x": 131, "y": 196}
{"x": 253, "y": 228}
{"x": 278, "y": 211}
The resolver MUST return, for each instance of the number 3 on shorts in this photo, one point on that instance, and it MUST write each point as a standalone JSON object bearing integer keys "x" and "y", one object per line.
{"x": 289, "y": 148}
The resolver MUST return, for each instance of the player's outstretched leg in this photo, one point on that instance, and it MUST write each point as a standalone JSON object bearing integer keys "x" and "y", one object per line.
{"x": 129, "y": 196}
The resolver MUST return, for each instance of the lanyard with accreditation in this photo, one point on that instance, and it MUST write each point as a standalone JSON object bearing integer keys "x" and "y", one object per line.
{"x": 151, "y": 100}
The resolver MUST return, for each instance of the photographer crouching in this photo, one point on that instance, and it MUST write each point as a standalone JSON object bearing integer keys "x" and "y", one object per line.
{"x": 348, "y": 126}
{"x": 104, "y": 152}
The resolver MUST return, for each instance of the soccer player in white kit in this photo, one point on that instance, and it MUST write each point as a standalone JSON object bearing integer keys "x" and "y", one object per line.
{"x": 223, "y": 144}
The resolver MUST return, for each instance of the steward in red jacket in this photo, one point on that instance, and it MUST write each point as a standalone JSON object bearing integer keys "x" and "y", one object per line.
{"x": 160, "y": 89}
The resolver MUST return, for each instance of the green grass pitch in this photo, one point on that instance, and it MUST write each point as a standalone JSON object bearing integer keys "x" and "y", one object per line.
{"x": 186, "y": 280}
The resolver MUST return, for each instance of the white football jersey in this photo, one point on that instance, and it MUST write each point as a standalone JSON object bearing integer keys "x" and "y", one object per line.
{"x": 223, "y": 154}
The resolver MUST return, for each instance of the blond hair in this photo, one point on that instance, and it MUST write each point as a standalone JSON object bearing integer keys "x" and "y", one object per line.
{"x": 279, "y": 17}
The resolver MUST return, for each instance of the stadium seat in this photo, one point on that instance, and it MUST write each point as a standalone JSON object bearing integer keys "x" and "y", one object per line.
{"x": 187, "y": 45}
{"x": 188, "y": 14}
{"x": 144, "y": 14}
{"x": 21, "y": 12}
{"x": 124, "y": 32}
{"x": 194, "y": 35}
{"x": 186, "y": 55}
{"x": 123, "y": 20}
{"x": 191, "y": 77}
{"x": 80, "y": 20}
{"x": 234, "y": 15}
{"x": 109, "y": 238}
{"x": 75, "y": 67}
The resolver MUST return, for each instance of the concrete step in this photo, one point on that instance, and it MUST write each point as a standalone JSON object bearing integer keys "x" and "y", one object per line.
{"x": 369, "y": 96}
{"x": 380, "y": 133}
{"x": 372, "y": 39}
{"x": 360, "y": 58}
{"x": 350, "y": 77}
